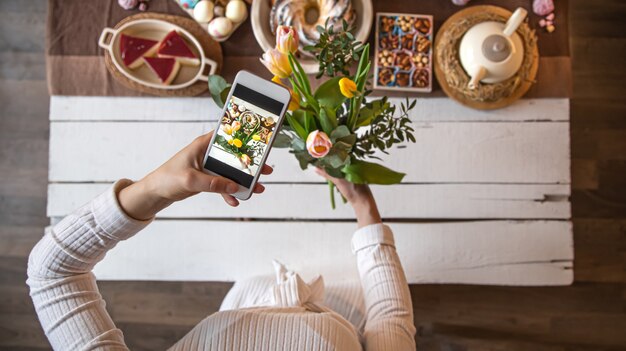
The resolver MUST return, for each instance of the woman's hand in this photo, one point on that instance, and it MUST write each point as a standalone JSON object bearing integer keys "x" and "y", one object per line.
{"x": 359, "y": 196}
{"x": 177, "y": 179}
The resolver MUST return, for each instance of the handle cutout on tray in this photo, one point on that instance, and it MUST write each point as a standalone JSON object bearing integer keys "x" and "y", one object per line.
{"x": 102, "y": 42}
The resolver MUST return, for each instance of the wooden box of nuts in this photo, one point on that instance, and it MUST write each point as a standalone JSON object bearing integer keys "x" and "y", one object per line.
{"x": 403, "y": 52}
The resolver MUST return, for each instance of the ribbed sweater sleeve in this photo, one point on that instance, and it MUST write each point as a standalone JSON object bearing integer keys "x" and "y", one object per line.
{"x": 62, "y": 286}
{"x": 389, "y": 321}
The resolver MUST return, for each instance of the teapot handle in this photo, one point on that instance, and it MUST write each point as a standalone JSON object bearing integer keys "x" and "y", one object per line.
{"x": 516, "y": 19}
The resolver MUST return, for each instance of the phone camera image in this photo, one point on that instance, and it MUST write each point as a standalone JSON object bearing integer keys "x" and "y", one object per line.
{"x": 243, "y": 136}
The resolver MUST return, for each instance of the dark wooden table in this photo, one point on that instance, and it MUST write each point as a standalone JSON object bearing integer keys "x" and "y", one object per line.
{"x": 586, "y": 316}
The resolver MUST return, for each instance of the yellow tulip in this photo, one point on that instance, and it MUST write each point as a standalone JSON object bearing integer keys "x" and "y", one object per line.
{"x": 237, "y": 143}
{"x": 347, "y": 87}
{"x": 230, "y": 141}
{"x": 256, "y": 137}
{"x": 277, "y": 63}
{"x": 294, "y": 103}
{"x": 227, "y": 129}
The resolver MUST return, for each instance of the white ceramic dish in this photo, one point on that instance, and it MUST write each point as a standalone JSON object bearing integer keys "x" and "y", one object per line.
{"x": 156, "y": 30}
{"x": 260, "y": 18}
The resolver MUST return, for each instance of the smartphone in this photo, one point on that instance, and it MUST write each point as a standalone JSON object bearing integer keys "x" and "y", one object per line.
{"x": 249, "y": 123}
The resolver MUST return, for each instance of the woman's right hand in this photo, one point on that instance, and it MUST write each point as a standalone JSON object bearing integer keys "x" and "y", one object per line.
{"x": 359, "y": 196}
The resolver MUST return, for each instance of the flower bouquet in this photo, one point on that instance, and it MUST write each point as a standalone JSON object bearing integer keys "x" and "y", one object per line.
{"x": 335, "y": 127}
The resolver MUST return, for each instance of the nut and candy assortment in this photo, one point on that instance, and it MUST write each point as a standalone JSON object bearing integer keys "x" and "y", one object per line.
{"x": 403, "y": 52}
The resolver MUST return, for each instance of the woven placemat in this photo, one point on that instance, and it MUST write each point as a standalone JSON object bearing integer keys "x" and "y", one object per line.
{"x": 212, "y": 50}
{"x": 453, "y": 78}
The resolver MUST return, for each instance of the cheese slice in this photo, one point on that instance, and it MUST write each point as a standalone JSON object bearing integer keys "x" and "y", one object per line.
{"x": 175, "y": 46}
{"x": 165, "y": 68}
{"x": 133, "y": 49}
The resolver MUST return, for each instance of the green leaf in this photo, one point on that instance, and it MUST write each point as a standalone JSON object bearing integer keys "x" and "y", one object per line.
{"x": 306, "y": 120}
{"x": 217, "y": 86}
{"x": 372, "y": 110}
{"x": 328, "y": 120}
{"x": 297, "y": 127}
{"x": 363, "y": 64}
{"x": 282, "y": 140}
{"x": 304, "y": 158}
{"x": 339, "y": 132}
{"x": 362, "y": 172}
{"x": 328, "y": 94}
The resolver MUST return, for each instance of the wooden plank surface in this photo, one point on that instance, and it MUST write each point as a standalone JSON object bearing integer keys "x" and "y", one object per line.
{"x": 477, "y": 252}
{"x": 107, "y": 108}
{"x": 448, "y": 152}
{"x": 411, "y": 201}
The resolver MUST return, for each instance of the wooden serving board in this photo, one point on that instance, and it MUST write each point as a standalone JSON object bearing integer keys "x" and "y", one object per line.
{"x": 485, "y": 199}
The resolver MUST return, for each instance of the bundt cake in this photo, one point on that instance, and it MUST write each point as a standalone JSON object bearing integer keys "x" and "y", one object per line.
{"x": 306, "y": 15}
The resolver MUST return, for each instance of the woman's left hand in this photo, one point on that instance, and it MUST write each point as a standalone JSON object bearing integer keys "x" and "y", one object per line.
{"x": 177, "y": 179}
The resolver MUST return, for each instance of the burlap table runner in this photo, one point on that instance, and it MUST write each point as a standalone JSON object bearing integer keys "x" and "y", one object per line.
{"x": 75, "y": 63}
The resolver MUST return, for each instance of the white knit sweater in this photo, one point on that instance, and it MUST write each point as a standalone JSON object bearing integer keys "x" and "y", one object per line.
{"x": 73, "y": 315}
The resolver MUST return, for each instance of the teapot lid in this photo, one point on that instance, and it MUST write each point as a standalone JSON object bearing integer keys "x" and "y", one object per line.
{"x": 496, "y": 48}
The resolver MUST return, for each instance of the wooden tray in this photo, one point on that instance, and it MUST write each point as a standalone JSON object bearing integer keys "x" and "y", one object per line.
{"x": 454, "y": 94}
{"x": 212, "y": 51}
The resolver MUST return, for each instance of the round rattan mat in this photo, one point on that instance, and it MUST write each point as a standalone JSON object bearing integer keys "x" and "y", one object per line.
{"x": 212, "y": 50}
{"x": 453, "y": 78}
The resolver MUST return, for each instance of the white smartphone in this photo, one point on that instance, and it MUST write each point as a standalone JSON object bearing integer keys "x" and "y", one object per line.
{"x": 249, "y": 123}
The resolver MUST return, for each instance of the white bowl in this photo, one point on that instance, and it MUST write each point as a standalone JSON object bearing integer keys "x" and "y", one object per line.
{"x": 260, "y": 18}
{"x": 156, "y": 30}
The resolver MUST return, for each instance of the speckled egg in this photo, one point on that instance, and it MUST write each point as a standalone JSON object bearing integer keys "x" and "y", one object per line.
{"x": 203, "y": 12}
{"x": 220, "y": 27}
{"x": 236, "y": 11}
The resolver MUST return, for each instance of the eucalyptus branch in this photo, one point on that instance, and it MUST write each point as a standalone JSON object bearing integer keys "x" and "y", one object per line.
{"x": 336, "y": 50}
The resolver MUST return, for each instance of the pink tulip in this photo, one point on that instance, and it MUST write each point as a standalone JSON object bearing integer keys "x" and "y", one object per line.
{"x": 236, "y": 125}
{"x": 246, "y": 160}
{"x": 277, "y": 63}
{"x": 287, "y": 40}
{"x": 318, "y": 144}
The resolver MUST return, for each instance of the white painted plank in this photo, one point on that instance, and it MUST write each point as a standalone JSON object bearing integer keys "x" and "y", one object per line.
{"x": 311, "y": 201}
{"x": 98, "y": 108}
{"x": 482, "y": 152}
{"x": 490, "y": 252}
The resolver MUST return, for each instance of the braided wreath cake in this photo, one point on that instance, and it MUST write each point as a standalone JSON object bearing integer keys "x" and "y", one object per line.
{"x": 298, "y": 13}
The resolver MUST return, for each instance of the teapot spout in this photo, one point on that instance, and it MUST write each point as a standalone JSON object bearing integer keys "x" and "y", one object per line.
{"x": 476, "y": 76}
{"x": 516, "y": 19}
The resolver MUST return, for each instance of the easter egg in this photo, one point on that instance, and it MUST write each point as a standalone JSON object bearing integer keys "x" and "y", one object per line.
{"x": 236, "y": 11}
{"x": 218, "y": 11}
{"x": 220, "y": 27}
{"x": 188, "y": 4}
{"x": 203, "y": 12}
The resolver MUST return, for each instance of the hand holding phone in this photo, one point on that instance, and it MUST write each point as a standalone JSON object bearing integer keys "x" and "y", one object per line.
{"x": 251, "y": 118}
{"x": 180, "y": 177}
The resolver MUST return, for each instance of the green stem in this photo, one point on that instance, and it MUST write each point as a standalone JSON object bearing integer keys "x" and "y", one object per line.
{"x": 331, "y": 187}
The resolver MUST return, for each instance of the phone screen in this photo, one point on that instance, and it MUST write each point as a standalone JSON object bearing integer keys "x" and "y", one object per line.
{"x": 243, "y": 136}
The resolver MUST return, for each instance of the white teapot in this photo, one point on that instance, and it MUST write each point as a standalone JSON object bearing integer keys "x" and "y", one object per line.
{"x": 491, "y": 51}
